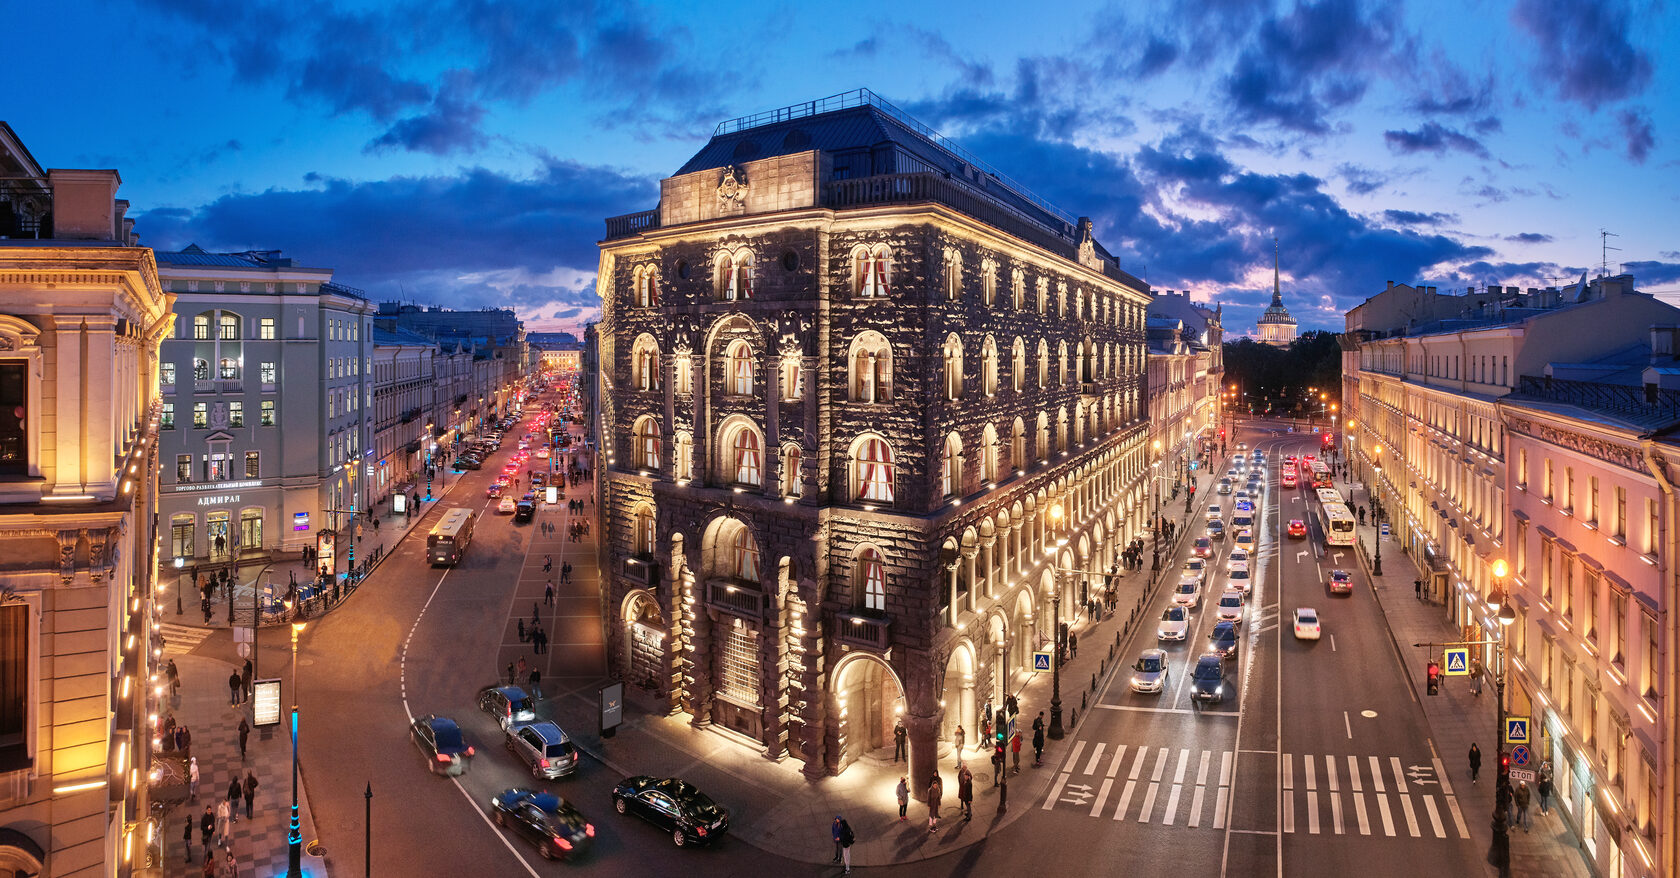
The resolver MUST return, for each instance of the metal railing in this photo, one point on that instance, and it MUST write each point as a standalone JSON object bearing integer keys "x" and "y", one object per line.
{"x": 632, "y": 223}
{"x": 870, "y": 632}
{"x": 1623, "y": 398}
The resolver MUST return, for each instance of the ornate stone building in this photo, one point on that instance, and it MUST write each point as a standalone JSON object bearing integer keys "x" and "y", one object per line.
{"x": 1276, "y": 327}
{"x": 855, "y": 388}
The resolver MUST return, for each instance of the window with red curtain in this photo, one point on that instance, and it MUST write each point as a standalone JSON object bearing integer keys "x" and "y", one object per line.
{"x": 875, "y": 471}
{"x": 740, "y": 280}
{"x": 741, "y": 369}
{"x": 746, "y": 556}
{"x": 873, "y": 573}
{"x": 747, "y": 464}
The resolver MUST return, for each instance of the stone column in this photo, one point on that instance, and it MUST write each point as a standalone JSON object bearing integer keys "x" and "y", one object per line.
{"x": 951, "y": 594}
{"x": 70, "y": 457}
{"x": 991, "y": 566}
{"x": 969, "y": 553}
{"x": 703, "y": 650}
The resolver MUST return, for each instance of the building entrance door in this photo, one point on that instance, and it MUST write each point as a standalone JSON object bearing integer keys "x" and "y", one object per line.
{"x": 216, "y": 525}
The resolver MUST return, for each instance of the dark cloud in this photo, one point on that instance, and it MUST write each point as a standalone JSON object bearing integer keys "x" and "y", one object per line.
{"x": 1415, "y": 218}
{"x": 1583, "y": 47}
{"x": 567, "y": 314}
{"x": 1646, "y": 272}
{"x": 1488, "y": 125}
{"x": 1434, "y": 138}
{"x": 1529, "y": 238}
{"x": 1360, "y": 180}
{"x": 1303, "y": 66}
{"x": 1638, "y": 134}
{"x": 450, "y": 125}
{"x": 1158, "y": 54}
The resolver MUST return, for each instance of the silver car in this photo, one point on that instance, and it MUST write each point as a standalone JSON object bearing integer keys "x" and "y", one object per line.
{"x": 544, "y": 748}
{"x": 1150, "y": 673}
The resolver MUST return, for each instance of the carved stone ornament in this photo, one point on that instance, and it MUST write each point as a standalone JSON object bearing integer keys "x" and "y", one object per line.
{"x": 67, "y": 555}
{"x": 1620, "y": 455}
{"x": 732, "y": 188}
{"x": 7, "y": 344}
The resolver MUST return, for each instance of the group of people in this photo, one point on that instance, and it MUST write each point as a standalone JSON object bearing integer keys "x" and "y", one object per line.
{"x": 1132, "y": 556}
{"x": 528, "y": 673}
{"x": 535, "y": 635}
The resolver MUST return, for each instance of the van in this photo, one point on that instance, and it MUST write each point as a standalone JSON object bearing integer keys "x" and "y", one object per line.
{"x": 1242, "y": 520}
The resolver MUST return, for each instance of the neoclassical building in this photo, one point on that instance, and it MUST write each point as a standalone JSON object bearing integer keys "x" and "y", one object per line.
{"x": 1276, "y": 327}
{"x": 855, "y": 387}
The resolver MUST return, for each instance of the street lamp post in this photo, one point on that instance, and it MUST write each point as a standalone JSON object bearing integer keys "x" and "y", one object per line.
{"x": 294, "y": 838}
{"x": 1155, "y": 518}
{"x": 1500, "y": 603}
{"x": 1376, "y": 511}
{"x": 1056, "y": 731}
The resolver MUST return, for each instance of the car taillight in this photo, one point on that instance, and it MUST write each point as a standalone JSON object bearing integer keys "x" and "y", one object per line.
{"x": 543, "y": 762}
{"x": 589, "y": 829}
{"x": 562, "y": 843}
{"x": 701, "y": 831}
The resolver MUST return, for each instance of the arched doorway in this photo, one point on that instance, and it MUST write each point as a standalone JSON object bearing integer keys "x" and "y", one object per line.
{"x": 1023, "y": 640}
{"x": 869, "y": 700}
{"x": 645, "y": 634}
{"x": 958, "y": 697}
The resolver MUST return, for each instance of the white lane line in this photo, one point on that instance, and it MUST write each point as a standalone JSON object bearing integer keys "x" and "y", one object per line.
{"x": 1072, "y": 761}
{"x": 1102, "y": 796}
{"x": 1219, "y": 807}
{"x": 1376, "y": 776}
{"x": 1183, "y": 763}
{"x": 1387, "y": 817}
{"x": 1125, "y": 800}
{"x": 1359, "y": 813}
{"x": 1201, "y": 788}
{"x": 1119, "y": 754}
{"x": 1333, "y": 649}
{"x": 1411, "y": 816}
{"x": 1288, "y": 810}
{"x": 1311, "y": 769}
{"x": 1225, "y": 768}
{"x": 1172, "y": 805}
{"x": 1056, "y": 790}
{"x": 1148, "y": 803}
{"x": 1399, "y": 775}
{"x": 1434, "y": 817}
{"x": 1160, "y": 764}
{"x": 1347, "y": 724}
{"x": 1336, "y": 812}
{"x": 1452, "y": 800}
{"x": 1330, "y": 773}
{"x": 1288, "y": 771}
{"x": 1096, "y": 757}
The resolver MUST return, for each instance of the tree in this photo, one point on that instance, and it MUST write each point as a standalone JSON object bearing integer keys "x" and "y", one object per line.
{"x": 1276, "y": 380}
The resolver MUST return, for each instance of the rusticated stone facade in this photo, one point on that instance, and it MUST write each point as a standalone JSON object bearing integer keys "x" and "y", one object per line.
{"x": 832, "y": 444}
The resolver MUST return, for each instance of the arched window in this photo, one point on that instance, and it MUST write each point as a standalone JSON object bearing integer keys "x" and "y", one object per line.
{"x": 740, "y": 378}
{"x": 683, "y": 457}
{"x": 201, "y": 327}
{"x": 228, "y": 328}
{"x": 229, "y": 369}
{"x": 201, "y": 370}
{"x": 870, "y": 368}
{"x": 988, "y": 366}
{"x": 1043, "y": 295}
{"x": 1061, "y": 299}
{"x": 989, "y": 454}
{"x": 1061, "y": 429}
{"x": 953, "y": 367}
{"x": 734, "y": 276}
{"x": 1043, "y": 363}
{"x": 950, "y": 467}
{"x": 1062, "y": 362}
{"x": 1018, "y": 289}
{"x": 647, "y": 292}
{"x": 1018, "y": 365}
{"x": 874, "y": 470}
{"x": 1018, "y": 445}
{"x": 644, "y": 363}
{"x": 871, "y": 271}
{"x": 792, "y": 484}
{"x": 988, "y": 282}
{"x": 872, "y": 579}
{"x": 647, "y": 443}
{"x": 953, "y": 275}
{"x": 642, "y": 531}
{"x": 1041, "y": 446}
{"x": 745, "y": 455}
{"x": 744, "y": 554}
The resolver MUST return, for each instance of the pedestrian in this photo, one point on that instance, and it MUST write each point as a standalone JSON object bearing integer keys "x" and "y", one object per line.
{"x": 186, "y": 837}
{"x": 523, "y": 667}
{"x": 548, "y": 593}
{"x": 548, "y": 563}
{"x": 536, "y": 617}
{"x": 192, "y": 778}
{"x": 1545, "y": 788}
{"x": 206, "y": 829}
{"x": 1476, "y": 677}
{"x": 232, "y": 865}
{"x": 174, "y": 679}
{"x": 510, "y": 673}
{"x": 957, "y": 743}
{"x": 965, "y": 790}
{"x": 936, "y": 789}
{"x": 521, "y": 630}
{"x": 250, "y": 792}
{"x": 903, "y": 804}
{"x": 1038, "y": 745}
{"x": 224, "y": 829}
{"x": 899, "y": 738}
{"x": 1417, "y": 588}
{"x": 209, "y": 864}
{"x": 1073, "y": 644}
{"x": 234, "y": 688}
{"x": 1522, "y": 797}
{"x": 536, "y": 683}
{"x": 834, "y": 830}
{"x": 245, "y": 681}
{"x": 542, "y": 640}
{"x": 1475, "y": 761}
{"x": 244, "y": 734}
{"x": 235, "y": 793}
{"x": 997, "y": 764}
{"x": 1015, "y": 746}
{"x": 847, "y": 837}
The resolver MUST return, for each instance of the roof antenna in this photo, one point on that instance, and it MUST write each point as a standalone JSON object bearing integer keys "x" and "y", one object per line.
{"x": 1604, "y": 249}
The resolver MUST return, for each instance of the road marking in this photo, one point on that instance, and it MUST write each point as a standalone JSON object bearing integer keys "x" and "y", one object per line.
{"x": 1452, "y": 801}
{"x": 1160, "y": 764}
{"x": 1434, "y": 817}
{"x": 1056, "y": 790}
{"x": 1096, "y": 757}
{"x": 1411, "y": 816}
{"x": 1333, "y": 649}
{"x": 1348, "y": 724}
{"x": 1309, "y": 766}
{"x": 1399, "y": 775}
{"x": 1169, "y": 710}
{"x": 1387, "y": 817}
{"x": 1137, "y": 764}
{"x": 1353, "y": 774}
{"x": 1376, "y": 776}
{"x": 1072, "y": 760}
{"x": 1201, "y": 788}
{"x": 1336, "y": 812}
{"x": 1102, "y": 796}
{"x": 1183, "y": 762}
{"x": 1312, "y": 813}
{"x": 1359, "y": 813}
{"x": 1288, "y": 810}
{"x": 1289, "y": 771}
{"x": 1119, "y": 753}
{"x": 1125, "y": 799}
{"x": 1148, "y": 802}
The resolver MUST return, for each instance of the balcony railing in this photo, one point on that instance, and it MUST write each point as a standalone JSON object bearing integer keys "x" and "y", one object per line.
{"x": 410, "y": 415}
{"x": 856, "y": 629}
{"x": 736, "y": 599}
{"x": 632, "y": 223}
{"x": 1620, "y": 398}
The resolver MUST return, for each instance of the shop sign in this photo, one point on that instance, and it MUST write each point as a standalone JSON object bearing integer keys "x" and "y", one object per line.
{"x": 219, "y": 500}
{"x": 300, "y": 521}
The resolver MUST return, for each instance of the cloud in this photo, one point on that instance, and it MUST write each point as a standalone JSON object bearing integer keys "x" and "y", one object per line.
{"x": 450, "y": 125}
{"x": 1305, "y": 65}
{"x": 1583, "y": 48}
{"x": 1636, "y": 130}
{"x": 1415, "y": 218}
{"x": 1651, "y": 272}
{"x": 1434, "y": 138}
{"x": 1361, "y": 180}
{"x": 1529, "y": 238}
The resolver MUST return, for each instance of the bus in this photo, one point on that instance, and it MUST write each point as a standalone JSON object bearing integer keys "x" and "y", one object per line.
{"x": 1320, "y": 474}
{"x": 1334, "y": 518}
{"x": 449, "y": 537}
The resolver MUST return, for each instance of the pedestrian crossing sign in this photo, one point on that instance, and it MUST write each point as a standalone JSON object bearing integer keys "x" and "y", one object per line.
{"x": 1041, "y": 660}
{"x": 1516, "y": 730}
{"x": 1456, "y": 661}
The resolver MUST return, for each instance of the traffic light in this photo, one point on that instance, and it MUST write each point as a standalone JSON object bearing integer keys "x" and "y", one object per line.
{"x": 1504, "y": 763}
{"x": 1434, "y": 679}
{"x": 1002, "y": 729}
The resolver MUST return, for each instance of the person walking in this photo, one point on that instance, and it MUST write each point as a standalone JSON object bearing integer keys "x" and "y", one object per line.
{"x": 244, "y": 735}
{"x": 1522, "y": 797}
{"x": 834, "y": 830}
{"x": 245, "y": 681}
{"x": 965, "y": 790}
{"x": 234, "y": 688}
{"x": 224, "y": 823}
{"x": 521, "y": 630}
{"x": 1475, "y": 761}
{"x": 997, "y": 764}
{"x": 1545, "y": 789}
{"x": 523, "y": 667}
{"x": 548, "y": 593}
{"x": 847, "y": 837}
{"x": 1015, "y": 746}
{"x": 232, "y": 865}
{"x": 235, "y": 793}
{"x": 548, "y": 563}
{"x": 1073, "y": 644}
{"x": 510, "y": 673}
{"x": 209, "y": 870}
{"x": 192, "y": 778}
{"x": 936, "y": 789}
{"x": 250, "y": 792}
{"x": 1476, "y": 677}
{"x": 1038, "y": 745}
{"x": 206, "y": 830}
{"x": 903, "y": 804}
{"x": 957, "y": 743}
{"x": 1417, "y": 588}
{"x": 535, "y": 679}
{"x": 899, "y": 738}
{"x": 186, "y": 837}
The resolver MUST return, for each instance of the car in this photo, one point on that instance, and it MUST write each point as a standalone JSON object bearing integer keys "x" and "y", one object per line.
{"x": 1202, "y": 546}
{"x": 1259, "y": 454}
{"x": 1198, "y": 565}
{"x": 462, "y": 464}
{"x": 1245, "y": 505}
{"x": 1245, "y": 537}
{"x": 543, "y": 452}
{"x": 1207, "y": 679}
{"x": 546, "y": 820}
{"x": 494, "y": 491}
{"x": 508, "y": 704}
{"x": 507, "y": 506}
{"x": 544, "y": 748}
{"x": 1198, "y": 572}
{"x": 1230, "y": 607}
{"x": 1225, "y": 485}
{"x": 1188, "y": 593}
{"x": 441, "y": 742}
{"x": 1297, "y": 529}
{"x": 524, "y": 444}
{"x": 1149, "y": 674}
{"x": 1239, "y": 555}
{"x": 504, "y": 480}
{"x": 1306, "y": 624}
{"x": 524, "y": 510}
{"x": 1216, "y": 529}
{"x": 674, "y": 806}
{"x": 1242, "y": 446}
{"x": 1224, "y": 640}
{"x": 1174, "y": 625}
{"x": 1340, "y": 582}
{"x": 1238, "y": 574}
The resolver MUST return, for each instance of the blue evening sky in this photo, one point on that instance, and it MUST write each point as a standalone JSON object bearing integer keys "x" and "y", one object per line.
{"x": 465, "y": 152}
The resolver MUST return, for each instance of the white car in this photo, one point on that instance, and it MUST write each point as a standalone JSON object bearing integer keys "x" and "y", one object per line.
{"x": 1230, "y": 608}
{"x": 1188, "y": 593}
{"x": 543, "y": 452}
{"x": 1214, "y": 512}
{"x": 508, "y": 505}
{"x": 1175, "y": 624}
{"x": 1239, "y": 555}
{"x": 1238, "y": 578}
{"x": 1198, "y": 572}
{"x": 1150, "y": 673}
{"x": 1306, "y": 624}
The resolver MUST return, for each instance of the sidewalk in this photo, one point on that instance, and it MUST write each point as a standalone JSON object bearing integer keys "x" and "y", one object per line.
{"x": 775, "y": 807}
{"x": 259, "y": 843}
{"x": 1457, "y": 717}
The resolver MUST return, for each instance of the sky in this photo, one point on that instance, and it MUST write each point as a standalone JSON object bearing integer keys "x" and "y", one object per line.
{"x": 466, "y": 152}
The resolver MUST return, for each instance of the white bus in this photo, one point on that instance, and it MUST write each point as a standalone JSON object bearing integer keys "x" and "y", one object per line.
{"x": 1334, "y": 518}
{"x": 449, "y": 537}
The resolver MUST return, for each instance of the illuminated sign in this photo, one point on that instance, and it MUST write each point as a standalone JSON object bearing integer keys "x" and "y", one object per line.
{"x": 218, "y": 500}
{"x": 265, "y": 701}
{"x": 221, "y": 486}
{"x": 300, "y": 521}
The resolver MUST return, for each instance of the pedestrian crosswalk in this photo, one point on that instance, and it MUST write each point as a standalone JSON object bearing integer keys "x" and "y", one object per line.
{"x": 1319, "y": 794}
{"x": 181, "y": 639}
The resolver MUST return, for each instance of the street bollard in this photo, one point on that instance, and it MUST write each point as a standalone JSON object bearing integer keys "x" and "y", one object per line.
{"x": 1093, "y": 682}
{"x": 1082, "y": 700}
{"x": 1074, "y": 720}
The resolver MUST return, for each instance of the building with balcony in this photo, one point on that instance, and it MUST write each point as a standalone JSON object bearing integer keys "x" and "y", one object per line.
{"x": 266, "y": 389}
{"x": 860, "y": 396}
{"x": 404, "y": 378}
{"x": 1532, "y": 427}
{"x": 82, "y": 312}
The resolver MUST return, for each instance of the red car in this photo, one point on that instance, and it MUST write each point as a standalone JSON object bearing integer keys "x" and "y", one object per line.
{"x": 1297, "y": 529}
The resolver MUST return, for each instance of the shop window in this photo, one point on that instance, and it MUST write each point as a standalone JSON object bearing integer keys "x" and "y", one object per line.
{"x": 183, "y": 468}
{"x": 251, "y": 528}
{"x": 182, "y": 541}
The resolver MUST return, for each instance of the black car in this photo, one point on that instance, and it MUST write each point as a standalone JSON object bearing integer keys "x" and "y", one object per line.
{"x": 1224, "y": 637}
{"x": 1207, "y": 680}
{"x": 440, "y": 740}
{"x": 546, "y": 820}
{"x": 673, "y": 805}
{"x": 524, "y": 510}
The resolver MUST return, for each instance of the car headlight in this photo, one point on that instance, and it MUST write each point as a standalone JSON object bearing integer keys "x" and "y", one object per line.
{"x": 1219, "y": 690}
